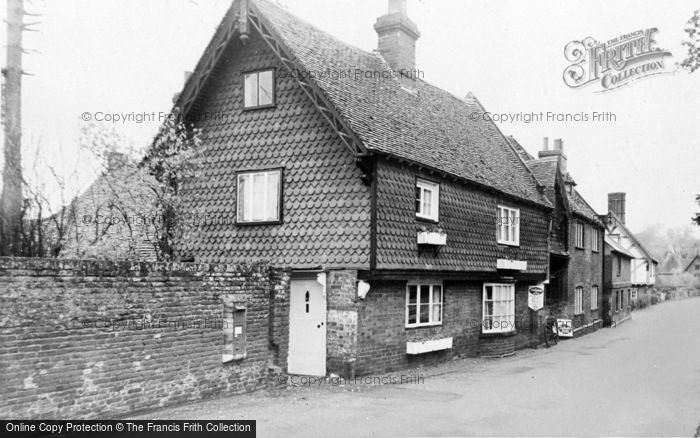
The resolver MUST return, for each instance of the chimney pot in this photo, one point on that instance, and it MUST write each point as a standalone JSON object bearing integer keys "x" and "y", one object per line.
{"x": 558, "y": 145}
{"x": 398, "y": 6}
{"x": 556, "y": 151}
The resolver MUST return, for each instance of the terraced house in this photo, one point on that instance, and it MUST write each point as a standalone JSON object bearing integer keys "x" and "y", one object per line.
{"x": 574, "y": 291}
{"x": 643, "y": 265}
{"x": 413, "y": 232}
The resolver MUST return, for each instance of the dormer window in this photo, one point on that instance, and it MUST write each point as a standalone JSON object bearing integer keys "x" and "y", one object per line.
{"x": 427, "y": 200}
{"x": 259, "y": 89}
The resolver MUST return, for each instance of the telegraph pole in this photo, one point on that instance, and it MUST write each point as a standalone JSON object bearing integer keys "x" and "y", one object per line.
{"x": 11, "y": 198}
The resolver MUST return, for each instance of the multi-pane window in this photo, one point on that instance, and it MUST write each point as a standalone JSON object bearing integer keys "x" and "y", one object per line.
{"x": 499, "y": 308}
{"x": 594, "y": 298}
{"x": 259, "y": 196}
{"x": 427, "y": 199}
{"x": 618, "y": 305}
{"x": 578, "y": 301}
{"x": 508, "y": 225}
{"x": 595, "y": 240}
{"x": 618, "y": 259}
{"x": 423, "y": 305}
{"x": 259, "y": 89}
{"x": 580, "y": 243}
{"x": 634, "y": 294}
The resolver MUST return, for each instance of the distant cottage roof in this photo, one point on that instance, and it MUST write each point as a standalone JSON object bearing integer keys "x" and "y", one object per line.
{"x": 422, "y": 124}
{"x": 616, "y": 220}
{"x": 688, "y": 263}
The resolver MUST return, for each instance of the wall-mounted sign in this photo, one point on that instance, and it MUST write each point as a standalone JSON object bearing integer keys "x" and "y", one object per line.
{"x": 565, "y": 328}
{"x": 513, "y": 265}
{"x": 535, "y": 297}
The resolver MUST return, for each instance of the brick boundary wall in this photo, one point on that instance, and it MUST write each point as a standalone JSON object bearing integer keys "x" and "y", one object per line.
{"x": 89, "y": 339}
{"x": 493, "y": 347}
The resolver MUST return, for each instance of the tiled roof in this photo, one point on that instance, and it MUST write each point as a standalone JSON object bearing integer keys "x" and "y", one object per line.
{"x": 425, "y": 125}
{"x": 688, "y": 262}
{"x": 631, "y": 236}
{"x": 617, "y": 247}
{"x": 582, "y": 208}
{"x": 525, "y": 155}
{"x": 545, "y": 170}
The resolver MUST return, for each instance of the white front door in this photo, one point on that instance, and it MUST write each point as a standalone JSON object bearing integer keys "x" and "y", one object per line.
{"x": 307, "y": 328}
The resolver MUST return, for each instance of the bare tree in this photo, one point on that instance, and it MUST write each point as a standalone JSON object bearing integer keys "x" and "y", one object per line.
{"x": 12, "y": 205}
{"x": 173, "y": 161}
{"x": 11, "y": 198}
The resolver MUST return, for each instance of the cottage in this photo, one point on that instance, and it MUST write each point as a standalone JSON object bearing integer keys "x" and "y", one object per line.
{"x": 643, "y": 266}
{"x": 575, "y": 242}
{"x": 678, "y": 275}
{"x": 693, "y": 267}
{"x": 113, "y": 218}
{"x": 617, "y": 292}
{"x": 413, "y": 231}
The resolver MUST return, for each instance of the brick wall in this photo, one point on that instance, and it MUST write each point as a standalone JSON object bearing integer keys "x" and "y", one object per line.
{"x": 528, "y": 325}
{"x": 98, "y": 339}
{"x": 341, "y": 335}
{"x": 383, "y": 334}
{"x": 497, "y": 346}
{"x": 585, "y": 270}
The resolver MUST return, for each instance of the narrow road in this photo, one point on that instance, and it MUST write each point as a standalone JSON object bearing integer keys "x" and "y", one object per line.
{"x": 639, "y": 379}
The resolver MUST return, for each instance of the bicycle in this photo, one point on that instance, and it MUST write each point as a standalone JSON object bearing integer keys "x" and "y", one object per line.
{"x": 551, "y": 333}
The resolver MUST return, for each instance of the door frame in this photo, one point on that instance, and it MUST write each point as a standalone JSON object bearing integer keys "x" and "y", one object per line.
{"x": 320, "y": 278}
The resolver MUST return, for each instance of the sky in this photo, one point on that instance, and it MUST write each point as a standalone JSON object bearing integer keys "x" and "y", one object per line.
{"x": 129, "y": 56}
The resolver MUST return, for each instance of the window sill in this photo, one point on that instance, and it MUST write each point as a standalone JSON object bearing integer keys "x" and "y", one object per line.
{"x": 498, "y": 334}
{"x": 259, "y": 107}
{"x": 500, "y": 242}
{"x": 253, "y": 224}
{"x": 413, "y": 327}
{"x": 427, "y": 219}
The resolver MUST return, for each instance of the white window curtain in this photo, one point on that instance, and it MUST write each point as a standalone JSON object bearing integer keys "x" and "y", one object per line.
{"x": 259, "y": 196}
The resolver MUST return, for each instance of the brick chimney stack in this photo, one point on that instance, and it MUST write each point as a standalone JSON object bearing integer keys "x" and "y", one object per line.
{"x": 556, "y": 151}
{"x": 616, "y": 204}
{"x": 397, "y": 39}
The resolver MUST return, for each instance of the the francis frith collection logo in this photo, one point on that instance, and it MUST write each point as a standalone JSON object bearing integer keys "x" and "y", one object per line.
{"x": 615, "y": 63}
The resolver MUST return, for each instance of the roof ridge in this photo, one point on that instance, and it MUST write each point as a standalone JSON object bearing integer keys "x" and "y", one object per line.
{"x": 586, "y": 202}
{"x": 285, "y": 10}
{"x": 431, "y": 127}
